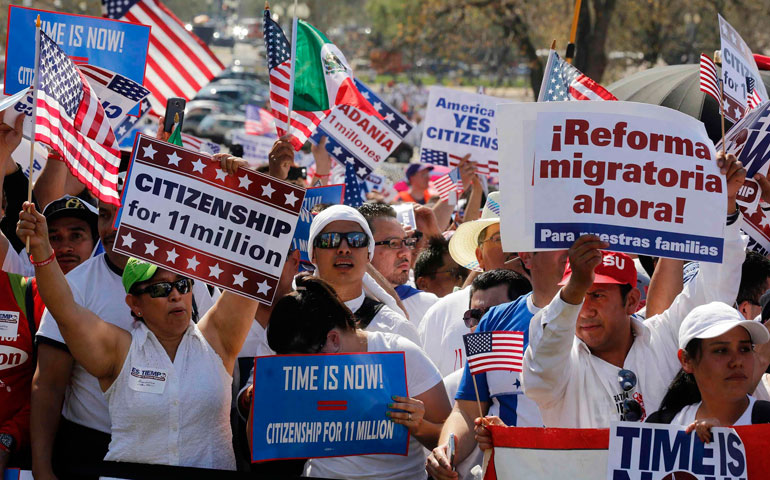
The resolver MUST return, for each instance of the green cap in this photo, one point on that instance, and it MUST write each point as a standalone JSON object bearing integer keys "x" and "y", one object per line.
{"x": 137, "y": 271}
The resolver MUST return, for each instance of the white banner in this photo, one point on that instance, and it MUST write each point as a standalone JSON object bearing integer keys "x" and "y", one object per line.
{"x": 737, "y": 64}
{"x": 642, "y": 177}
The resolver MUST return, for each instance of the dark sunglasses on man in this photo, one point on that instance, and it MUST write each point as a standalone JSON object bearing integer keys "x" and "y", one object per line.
{"x": 473, "y": 316}
{"x": 163, "y": 289}
{"x": 334, "y": 239}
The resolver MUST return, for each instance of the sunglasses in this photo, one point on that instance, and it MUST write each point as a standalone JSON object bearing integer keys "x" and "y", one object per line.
{"x": 334, "y": 239}
{"x": 632, "y": 411}
{"x": 399, "y": 243}
{"x": 473, "y": 316}
{"x": 163, "y": 289}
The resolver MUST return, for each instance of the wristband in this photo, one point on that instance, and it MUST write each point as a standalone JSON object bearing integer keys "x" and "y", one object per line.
{"x": 316, "y": 174}
{"x": 44, "y": 262}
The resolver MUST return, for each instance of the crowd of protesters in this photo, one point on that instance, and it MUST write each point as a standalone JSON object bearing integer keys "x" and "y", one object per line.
{"x": 607, "y": 336}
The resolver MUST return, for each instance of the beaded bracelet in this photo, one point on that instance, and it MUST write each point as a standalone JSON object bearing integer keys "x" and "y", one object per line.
{"x": 44, "y": 262}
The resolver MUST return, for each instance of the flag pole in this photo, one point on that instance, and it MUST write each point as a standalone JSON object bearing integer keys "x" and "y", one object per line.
{"x": 35, "y": 88}
{"x": 548, "y": 63}
{"x": 570, "y": 53}
{"x": 293, "y": 65}
{"x": 478, "y": 400}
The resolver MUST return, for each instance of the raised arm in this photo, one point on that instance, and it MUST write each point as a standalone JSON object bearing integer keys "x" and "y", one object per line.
{"x": 97, "y": 345}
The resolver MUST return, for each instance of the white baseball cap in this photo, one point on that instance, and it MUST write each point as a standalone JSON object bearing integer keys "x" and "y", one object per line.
{"x": 714, "y": 319}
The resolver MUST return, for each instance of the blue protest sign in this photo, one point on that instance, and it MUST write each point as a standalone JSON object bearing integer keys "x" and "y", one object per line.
{"x": 312, "y": 406}
{"x": 331, "y": 195}
{"x": 361, "y": 139}
{"x": 120, "y": 47}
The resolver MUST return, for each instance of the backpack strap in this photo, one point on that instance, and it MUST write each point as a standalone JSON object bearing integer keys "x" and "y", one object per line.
{"x": 761, "y": 412}
{"x": 367, "y": 311}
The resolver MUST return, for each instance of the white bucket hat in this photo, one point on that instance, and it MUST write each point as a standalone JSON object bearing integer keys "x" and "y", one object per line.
{"x": 714, "y": 319}
{"x": 462, "y": 246}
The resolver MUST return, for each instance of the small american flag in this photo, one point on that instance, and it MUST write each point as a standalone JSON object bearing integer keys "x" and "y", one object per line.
{"x": 352, "y": 187}
{"x": 258, "y": 120}
{"x": 437, "y": 157}
{"x": 500, "y": 350}
{"x": 752, "y": 96}
{"x": 563, "y": 82}
{"x": 200, "y": 145}
{"x": 303, "y": 124}
{"x": 179, "y": 64}
{"x": 72, "y": 122}
{"x": 446, "y": 184}
{"x": 709, "y": 82}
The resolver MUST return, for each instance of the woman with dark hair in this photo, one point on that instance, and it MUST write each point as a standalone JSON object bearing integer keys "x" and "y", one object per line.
{"x": 313, "y": 320}
{"x": 716, "y": 350}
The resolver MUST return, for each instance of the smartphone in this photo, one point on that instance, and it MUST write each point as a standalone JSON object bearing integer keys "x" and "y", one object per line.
{"x": 297, "y": 172}
{"x": 174, "y": 105}
{"x": 236, "y": 150}
{"x": 451, "y": 451}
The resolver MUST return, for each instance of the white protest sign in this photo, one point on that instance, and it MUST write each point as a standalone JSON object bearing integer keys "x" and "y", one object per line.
{"x": 361, "y": 139}
{"x": 181, "y": 211}
{"x": 654, "y": 451}
{"x": 642, "y": 177}
{"x": 737, "y": 64}
{"x": 457, "y": 123}
{"x": 405, "y": 215}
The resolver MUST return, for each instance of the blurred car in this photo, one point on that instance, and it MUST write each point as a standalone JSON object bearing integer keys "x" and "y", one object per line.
{"x": 236, "y": 71}
{"x": 218, "y": 127}
{"x": 197, "y": 110}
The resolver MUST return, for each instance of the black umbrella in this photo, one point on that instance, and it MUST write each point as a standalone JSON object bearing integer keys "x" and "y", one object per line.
{"x": 677, "y": 87}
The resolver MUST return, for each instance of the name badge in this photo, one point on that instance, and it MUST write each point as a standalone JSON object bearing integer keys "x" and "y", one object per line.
{"x": 147, "y": 380}
{"x": 9, "y": 324}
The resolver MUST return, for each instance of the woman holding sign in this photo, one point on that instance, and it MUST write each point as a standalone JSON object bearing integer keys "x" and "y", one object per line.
{"x": 716, "y": 350}
{"x": 167, "y": 382}
{"x": 314, "y": 320}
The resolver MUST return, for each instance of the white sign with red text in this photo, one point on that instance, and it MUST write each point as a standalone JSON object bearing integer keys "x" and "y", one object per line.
{"x": 642, "y": 177}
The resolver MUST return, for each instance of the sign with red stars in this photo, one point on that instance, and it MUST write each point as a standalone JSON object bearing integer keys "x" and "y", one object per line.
{"x": 184, "y": 213}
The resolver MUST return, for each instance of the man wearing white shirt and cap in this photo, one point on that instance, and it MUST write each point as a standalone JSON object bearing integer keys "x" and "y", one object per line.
{"x": 340, "y": 245}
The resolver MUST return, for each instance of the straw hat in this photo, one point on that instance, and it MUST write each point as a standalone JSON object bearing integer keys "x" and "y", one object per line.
{"x": 462, "y": 246}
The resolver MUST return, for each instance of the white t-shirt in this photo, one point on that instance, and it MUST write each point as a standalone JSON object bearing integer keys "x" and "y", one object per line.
{"x": 421, "y": 376}
{"x": 442, "y": 329}
{"x": 687, "y": 415}
{"x": 386, "y": 321}
{"x": 97, "y": 286}
{"x": 416, "y": 306}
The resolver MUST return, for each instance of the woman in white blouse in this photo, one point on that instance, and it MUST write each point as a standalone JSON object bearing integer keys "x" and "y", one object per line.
{"x": 168, "y": 381}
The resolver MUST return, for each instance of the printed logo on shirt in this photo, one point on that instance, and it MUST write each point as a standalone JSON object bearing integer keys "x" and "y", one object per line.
{"x": 9, "y": 324}
{"x": 11, "y": 357}
{"x": 147, "y": 380}
{"x": 621, "y": 397}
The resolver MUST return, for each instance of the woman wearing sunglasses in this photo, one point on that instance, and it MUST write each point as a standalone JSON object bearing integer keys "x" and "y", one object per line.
{"x": 716, "y": 350}
{"x": 167, "y": 382}
{"x": 314, "y": 320}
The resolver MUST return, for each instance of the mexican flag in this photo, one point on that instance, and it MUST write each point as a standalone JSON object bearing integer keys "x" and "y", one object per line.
{"x": 322, "y": 76}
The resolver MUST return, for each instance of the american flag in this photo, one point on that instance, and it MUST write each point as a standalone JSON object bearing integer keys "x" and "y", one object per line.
{"x": 352, "y": 187}
{"x": 752, "y": 96}
{"x": 117, "y": 94}
{"x": 198, "y": 144}
{"x": 303, "y": 124}
{"x": 563, "y": 82}
{"x": 178, "y": 63}
{"x": 258, "y": 120}
{"x": 494, "y": 351}
{"x": 437, "y": 157}
{"x": 709, "y": 82}
{"x": 446, "y": 184}
{"x": 72, "y": 122}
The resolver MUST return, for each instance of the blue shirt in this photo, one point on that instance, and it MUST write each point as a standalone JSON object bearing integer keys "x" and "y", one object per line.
{"x": 503, "y": 386}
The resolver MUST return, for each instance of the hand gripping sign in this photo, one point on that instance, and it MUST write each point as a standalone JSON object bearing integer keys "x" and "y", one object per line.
{"x": 327, "y": 405}
{"x": 182, "y": 212}
{"x": 642, "y": 177}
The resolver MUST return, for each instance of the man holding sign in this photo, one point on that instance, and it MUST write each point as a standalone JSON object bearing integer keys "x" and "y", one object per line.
{"x": 618, "y": 368}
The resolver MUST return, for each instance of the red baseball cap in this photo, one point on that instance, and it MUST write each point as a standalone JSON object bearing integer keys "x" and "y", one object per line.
{"x": 616, "y": 267}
